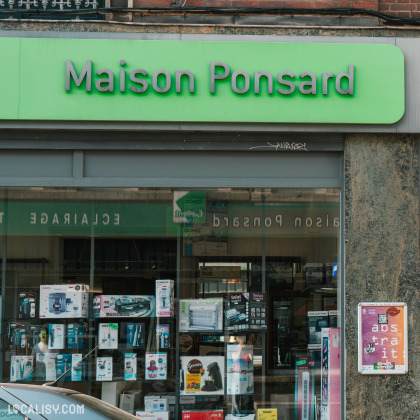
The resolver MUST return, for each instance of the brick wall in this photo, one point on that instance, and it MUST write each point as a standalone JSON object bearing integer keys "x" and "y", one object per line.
{"x": 363, "y": 4}
{"x": 400, "y": 8}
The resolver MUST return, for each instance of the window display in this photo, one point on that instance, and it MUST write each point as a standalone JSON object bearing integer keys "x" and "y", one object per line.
{"x": 232, "y": 314}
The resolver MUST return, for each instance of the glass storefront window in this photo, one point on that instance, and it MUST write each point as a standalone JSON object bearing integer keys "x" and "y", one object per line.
{"x": 204, "y": 302}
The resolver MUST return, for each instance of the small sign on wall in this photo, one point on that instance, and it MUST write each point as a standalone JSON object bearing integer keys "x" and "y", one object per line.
{"x": 382, "y": 338}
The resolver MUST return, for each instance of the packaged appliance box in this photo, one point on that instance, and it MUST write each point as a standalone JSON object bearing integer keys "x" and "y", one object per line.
{"x": 237, "y": 312}
{"x": 127, "y": 306}
{"x": 162, "y": 336}
{"x": 202, "y": 375}
{"x": 108, "y": 332}
{"x": 37, "y": 337}
{"x": 316, "y": 321}
{"x": 63, "y": 363}
{"x": 164, "y": 298}
{"x": 46, "y": 367}
{"x": 201, "y": 315}
{"x": 150, "y": 415}
{"x": 21, "y": 368}
{"x": 314, "y": 353}
{"x": 156, "y": 364}
{"x": 63, "y": 301}
{"x": 56, "y": 336}
{"x": 135, "y": 335}
{"x": 257, "y": 311}
{"x": 152, "y": 401}
{"x": 77, "y": 372}
{"x": 156, "y": 403}
{"x": 330, "y": 374}
{"x": 203, "y": 415}
{"x": 17, "y": 335}
{"x": 333, "y": 319}
{"x": 130, "y": 366}
{"x": 239, "y": 369}
{"x": 27, "y": 304}
{"x": 77, "y": 335}
{"x": 104, "y": 369}
{"x": 314, "y": 274}
{"x": 304, "y": 389}
{"x": 129, "y": 401}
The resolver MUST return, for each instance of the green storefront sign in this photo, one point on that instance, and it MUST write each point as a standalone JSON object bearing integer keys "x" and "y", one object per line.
{"x": 198, "y": 81}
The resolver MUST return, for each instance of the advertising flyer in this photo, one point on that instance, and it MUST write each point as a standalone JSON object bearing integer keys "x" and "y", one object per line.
{"x": 156, "y": 364}
{"x": 202, "y": 375}
{"x": 383, "y": 338}
{"x": 240, "y": 369}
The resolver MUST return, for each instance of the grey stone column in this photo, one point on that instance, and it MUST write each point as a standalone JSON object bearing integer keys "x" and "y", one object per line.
{"x": 382, "y": 263}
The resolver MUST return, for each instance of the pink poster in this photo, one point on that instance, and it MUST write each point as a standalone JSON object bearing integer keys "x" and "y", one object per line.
{"x": 383, "y": 338}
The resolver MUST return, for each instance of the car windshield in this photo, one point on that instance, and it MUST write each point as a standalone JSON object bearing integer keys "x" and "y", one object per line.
{"x": 60, "y": 404}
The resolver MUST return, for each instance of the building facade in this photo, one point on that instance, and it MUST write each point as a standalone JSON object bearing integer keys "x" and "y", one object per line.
{"x": 207, "y": 195}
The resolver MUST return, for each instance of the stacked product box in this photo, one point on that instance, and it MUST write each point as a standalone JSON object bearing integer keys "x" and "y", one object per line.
{"x": 63, "y": 301}
{"x": 66, "y": 361}
{"x": 257, "y": 311}
{"x": 314, "y": 274}
{"x": 27, "y": 304}
{"x": 108, "y": 336}
{"x": 21, "y": 368}
{"x": 46, "y": 367}
{"x": 333, "y": 319}
{"x": 316, "y": 321}
{"x": 304, "y": 389}
{"x": 237, "y": 312}
{"x": 134, "y": 335}
{"x": 164, "y": 298}
{"x": 201, "y": 315}
{"x": 130, "y": 366}
{"x": 77, "y": 335}
{"x": 128, "y": 306}
{"x": 330, "y": 374}
{"x": 56, "y": 334}
{"x": 104, "y": 369}
{"x": 162, "y": 336}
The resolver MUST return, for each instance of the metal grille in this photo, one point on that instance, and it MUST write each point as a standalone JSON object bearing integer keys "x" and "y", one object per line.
{"x": 52, "y": 9}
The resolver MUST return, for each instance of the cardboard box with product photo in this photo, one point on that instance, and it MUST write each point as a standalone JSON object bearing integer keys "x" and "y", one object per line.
{"x": 202, "y": 375}
{"x": 123, "y": 306}
{"x": 63, "y": 301}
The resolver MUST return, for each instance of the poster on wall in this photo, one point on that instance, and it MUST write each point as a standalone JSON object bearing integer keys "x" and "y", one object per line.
{"x": 382, "y": 338}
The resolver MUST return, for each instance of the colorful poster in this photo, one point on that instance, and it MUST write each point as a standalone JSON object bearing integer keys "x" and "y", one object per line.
{"x": 383, "y": 338}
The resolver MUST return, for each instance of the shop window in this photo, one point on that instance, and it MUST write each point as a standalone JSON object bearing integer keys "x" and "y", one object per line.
{"x": 216, "y": 302}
